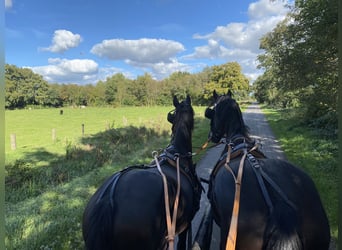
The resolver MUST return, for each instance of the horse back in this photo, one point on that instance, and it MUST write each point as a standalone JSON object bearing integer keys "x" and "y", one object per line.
{"x": 131, "y": 215}
{"x": 305, "y": 226}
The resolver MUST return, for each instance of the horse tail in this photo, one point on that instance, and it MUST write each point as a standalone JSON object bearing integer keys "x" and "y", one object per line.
{"x": 282, "y": 229}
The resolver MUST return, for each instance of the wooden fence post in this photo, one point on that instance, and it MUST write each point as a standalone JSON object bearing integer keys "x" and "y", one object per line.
{"x": 13, "y": 142}
{"x": 54, "y": 134}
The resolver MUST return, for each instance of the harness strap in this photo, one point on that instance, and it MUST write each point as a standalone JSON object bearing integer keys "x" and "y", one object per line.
{"x": 261, "y": 174}
{"x": 231, "y": 238}
{"x": 257, "y": 171}
{"x": 204, "y": 146}
{"x": 277, "y": 189}
{"x": 112, "y": 181}
{"x": 171, "y": 224}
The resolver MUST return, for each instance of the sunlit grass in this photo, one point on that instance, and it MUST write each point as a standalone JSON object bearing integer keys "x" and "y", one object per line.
{"x": 49, "y": 185}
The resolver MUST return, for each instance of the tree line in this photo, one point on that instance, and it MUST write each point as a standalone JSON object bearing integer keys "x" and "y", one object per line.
{"x": 301, "y": 63}
{"x": 25, "y": 88}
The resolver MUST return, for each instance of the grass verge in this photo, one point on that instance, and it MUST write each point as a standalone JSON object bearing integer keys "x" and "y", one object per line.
{"x": 315, "y": 153}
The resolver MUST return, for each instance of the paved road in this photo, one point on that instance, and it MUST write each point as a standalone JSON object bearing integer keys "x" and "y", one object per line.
{"x": 260, "y": 130}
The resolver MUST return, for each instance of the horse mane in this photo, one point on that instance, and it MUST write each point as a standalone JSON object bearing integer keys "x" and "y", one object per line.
{"x": 231, "y": 116}
{"x": 181, "y": 120}
{"x": 182, "y": 127}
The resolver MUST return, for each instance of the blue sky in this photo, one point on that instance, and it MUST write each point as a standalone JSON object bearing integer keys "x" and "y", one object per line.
{"x": 84, "y": 41}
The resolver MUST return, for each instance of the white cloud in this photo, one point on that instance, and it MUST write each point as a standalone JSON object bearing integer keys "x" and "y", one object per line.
{"x": 8, "y": 4}
{"x": 240, "y": 41}
{"x": 63, "y": 40}
{"x": 138, "y": 51}
{"x": 161, "y": 70}
{"x": 265, "y": 8}
{"x": 108, "y": 71}
{"x": 64, "y": 70}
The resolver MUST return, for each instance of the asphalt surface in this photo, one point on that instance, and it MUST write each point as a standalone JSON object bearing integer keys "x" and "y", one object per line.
{"x": 260, "y": 130}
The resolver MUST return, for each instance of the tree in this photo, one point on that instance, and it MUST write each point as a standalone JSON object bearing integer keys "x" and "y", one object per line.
{"x": 226, "y": 76}
{"x": 140, "y": 89}
{"x": 53, "y": 96}
{"x": 301, "y": 57}
{"x": 23, "y": 87}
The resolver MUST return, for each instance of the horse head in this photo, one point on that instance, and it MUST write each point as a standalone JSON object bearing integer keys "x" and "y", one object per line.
{"x": 182, "y": 120}
{"x": 225, "y": 118}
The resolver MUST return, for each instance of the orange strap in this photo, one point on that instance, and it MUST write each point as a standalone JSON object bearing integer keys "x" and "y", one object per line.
{"x": 202, "y": 147}
{"x": 232, "y": 235}
{"x": 171, "y": 224}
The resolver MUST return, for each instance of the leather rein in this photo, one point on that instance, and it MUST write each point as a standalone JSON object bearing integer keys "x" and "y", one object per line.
{"x": 251, "y": 155}
{"x": 173, "y": 160}
{"x": 232, "y": 235}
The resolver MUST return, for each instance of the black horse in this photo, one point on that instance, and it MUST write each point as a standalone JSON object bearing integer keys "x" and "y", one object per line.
{"x": 278, "y": 208}
{"x": 128, "y": 211}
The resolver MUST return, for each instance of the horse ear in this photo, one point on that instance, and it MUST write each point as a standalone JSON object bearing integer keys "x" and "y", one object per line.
{"x": 188, "y": 99}
{"x": 209, "y": 113}
{"x": 229, "y": 93}
{"x": 175, "y": 101}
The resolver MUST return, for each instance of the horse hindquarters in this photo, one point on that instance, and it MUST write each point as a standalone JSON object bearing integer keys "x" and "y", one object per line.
{"x": 131, "y": 213}
{"x": 126, "y": 213}
{"x": 303, "y": 225}
{"x": 145, "y": 225}
{"x": 97, "y": 222}
{"x": 252, "y": 212}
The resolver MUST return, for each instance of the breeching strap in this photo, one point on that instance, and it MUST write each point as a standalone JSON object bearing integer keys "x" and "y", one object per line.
{"x": 171, "y": 224}
{"x": 231, "y": 238}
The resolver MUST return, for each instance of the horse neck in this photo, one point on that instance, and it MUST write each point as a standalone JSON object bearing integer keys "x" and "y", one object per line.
{"x": 181, "y": 140}
{"x": 232, "y": 132}
{"x": 234, "y": 123}
{"x": 237, "y": 128}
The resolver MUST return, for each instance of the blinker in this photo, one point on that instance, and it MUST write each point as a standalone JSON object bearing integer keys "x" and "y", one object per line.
{"x": 171, "y": 116}
{"x": 209, "y": 113}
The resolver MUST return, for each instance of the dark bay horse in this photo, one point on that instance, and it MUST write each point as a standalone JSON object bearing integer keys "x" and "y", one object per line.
{"x": 128, "y": 211}
{"x": 277, "y": 204}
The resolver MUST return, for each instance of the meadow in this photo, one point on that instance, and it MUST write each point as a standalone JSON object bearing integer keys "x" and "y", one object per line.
{"x": 48, "y": 182}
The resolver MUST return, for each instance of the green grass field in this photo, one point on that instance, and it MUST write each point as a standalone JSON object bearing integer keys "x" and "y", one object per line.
{"x": 48, "y": 183}
{"x": 33, "y": 128}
